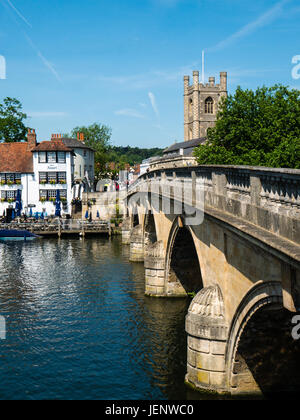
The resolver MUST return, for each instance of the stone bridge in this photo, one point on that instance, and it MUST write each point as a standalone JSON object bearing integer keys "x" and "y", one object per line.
{"x": 234, "y": 246}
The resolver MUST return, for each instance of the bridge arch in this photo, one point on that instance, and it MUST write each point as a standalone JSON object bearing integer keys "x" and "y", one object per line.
{"x": 137, "y": 234}
{"x": 261, "y": 354}
{"x": 150, "y": 231}
{"x": 183, "y": 272}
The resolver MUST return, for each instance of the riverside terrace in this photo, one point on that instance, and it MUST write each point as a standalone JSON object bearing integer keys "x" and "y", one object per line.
{"x": 61, "y": 228}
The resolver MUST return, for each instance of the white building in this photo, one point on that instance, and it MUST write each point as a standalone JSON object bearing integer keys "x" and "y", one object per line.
{"x": 53, "y": 165}
{"x": 84, "y": 162}
{"x": 39, "y": 171}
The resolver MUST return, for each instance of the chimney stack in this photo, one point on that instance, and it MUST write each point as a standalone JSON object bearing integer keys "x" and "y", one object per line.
{"x": 56, "y": 137}
{"x": 31, "y": 138}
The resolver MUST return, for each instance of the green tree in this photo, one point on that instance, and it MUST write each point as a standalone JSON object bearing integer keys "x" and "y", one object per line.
{"x": 260, "y": 128}
{"x": 12, "y": 127}
{"x": 97, "y": 136}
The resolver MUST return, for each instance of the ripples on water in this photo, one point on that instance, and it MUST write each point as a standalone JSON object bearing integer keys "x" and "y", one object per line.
{"x": 80, "y": 327}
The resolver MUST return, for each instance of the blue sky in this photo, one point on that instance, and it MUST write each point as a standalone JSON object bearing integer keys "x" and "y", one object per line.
{"x": 122, "y": 62}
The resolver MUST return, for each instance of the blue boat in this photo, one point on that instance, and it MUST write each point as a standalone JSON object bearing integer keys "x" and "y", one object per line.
{"x": 16, "y": 235}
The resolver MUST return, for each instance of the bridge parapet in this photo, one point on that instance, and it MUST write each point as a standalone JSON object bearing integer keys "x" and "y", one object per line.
{"x": 268, "y": 198}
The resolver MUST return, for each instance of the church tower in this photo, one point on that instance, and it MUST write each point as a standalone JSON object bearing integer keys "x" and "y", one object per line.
{"x": 201, "y": 104}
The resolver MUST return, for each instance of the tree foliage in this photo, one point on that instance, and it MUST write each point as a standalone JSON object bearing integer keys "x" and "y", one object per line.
{"x": 12, "y": 127}
{"x": 98, "y": 137}
{"x": 132, "y": 155}
{"x": 260, "y": 128}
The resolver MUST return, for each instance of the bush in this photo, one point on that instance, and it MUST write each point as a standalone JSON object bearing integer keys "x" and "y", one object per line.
{"x": 259, "y": 128}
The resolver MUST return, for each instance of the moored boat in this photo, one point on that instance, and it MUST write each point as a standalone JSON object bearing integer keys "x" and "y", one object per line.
{"x": 16, "y": 235}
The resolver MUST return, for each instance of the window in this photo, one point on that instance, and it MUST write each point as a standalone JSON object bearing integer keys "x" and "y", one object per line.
{"x": 209, "y": 106}
{"x": 52, "y": 177}
{"x": 43, "y": 195}
{"x": 9, "y": 196}
{"x": 50, "y": 195}
{"x": 191, "y": 107}
{"x": 42, "y": 157}
{"x": 10, "y": 179}
{"x": 61, "y": 157}
{"x": 62, "y": 177}
{"x": 51, "y": 157}
{"x": 84, "y": 153}
{"x": 43, "y": 177}
{"x": 63, "y": 195}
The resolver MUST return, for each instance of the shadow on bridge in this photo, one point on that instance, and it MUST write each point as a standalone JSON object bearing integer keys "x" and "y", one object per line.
{"x": 184, "y": 262}
{"x": 269, "y": 355}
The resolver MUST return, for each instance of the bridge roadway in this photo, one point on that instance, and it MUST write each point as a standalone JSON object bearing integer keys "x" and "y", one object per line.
{"x": 241, "y": 261}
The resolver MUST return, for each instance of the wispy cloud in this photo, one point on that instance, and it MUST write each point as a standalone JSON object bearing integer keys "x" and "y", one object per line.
{"x": 47, "y": 64}
{"x": 128, "y": 112}
{"x": 154, "y": 104}
{"x": 46, "y": 114}
{"x": 149, "y": 79}
{"x": 265, "y": 19}
{"x": 18, "y": 13}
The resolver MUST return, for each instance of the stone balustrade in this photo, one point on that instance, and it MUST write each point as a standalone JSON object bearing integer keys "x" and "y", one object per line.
{"x": 268, "y": 198}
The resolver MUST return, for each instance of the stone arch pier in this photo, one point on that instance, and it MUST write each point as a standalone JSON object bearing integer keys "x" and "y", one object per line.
{"x": 240, "y": 262}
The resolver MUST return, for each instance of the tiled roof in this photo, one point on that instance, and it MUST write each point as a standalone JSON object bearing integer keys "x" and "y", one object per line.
{"x": 186, "y": 145}
{"x": 75, "y": 144}
{"x": 15, "y": 158}
{"x": 52, "y": 146}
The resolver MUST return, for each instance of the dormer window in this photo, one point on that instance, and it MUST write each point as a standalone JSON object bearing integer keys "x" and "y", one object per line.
{"x": 42, "y": 157}
{"x": 61, "y": 157}
{"x": 52, "y": 157}
{"x": 209, "y": 106}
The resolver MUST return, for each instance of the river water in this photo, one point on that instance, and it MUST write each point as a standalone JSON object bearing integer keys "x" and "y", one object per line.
{"x": 79, "y": 326}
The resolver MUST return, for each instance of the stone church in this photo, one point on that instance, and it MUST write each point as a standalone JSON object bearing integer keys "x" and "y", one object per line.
{"x": 201, "y": 102}
{"x": 201, "y": 105}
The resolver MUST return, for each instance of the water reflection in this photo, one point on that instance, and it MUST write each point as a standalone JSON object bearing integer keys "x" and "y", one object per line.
{"x": 80, "y": 327}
